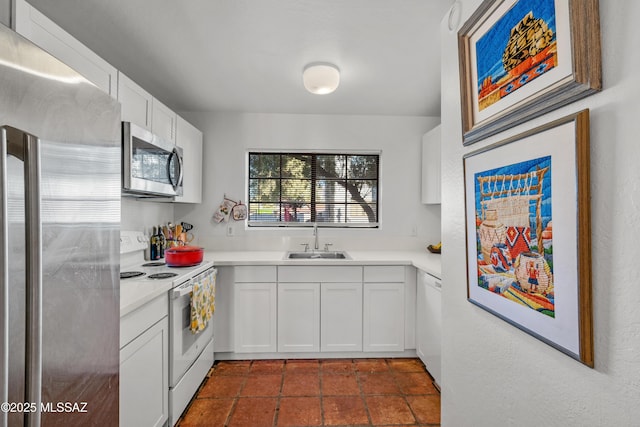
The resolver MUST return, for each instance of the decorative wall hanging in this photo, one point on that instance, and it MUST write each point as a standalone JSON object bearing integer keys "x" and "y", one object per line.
{"x": 522, "y": 58}
{"x": 224, "y": 210}
{"x": 528, "y": 233}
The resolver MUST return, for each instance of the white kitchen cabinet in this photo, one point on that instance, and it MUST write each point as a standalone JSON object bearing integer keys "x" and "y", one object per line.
{"x": 298, "y": 317}
{"x": 431, "y": 168}
{"x": 255, "y": 311}
{"x": 429, "y": 323}
{"x": 136, "y": 102}
{"x": 144, "y": 369}
{"x": 190, "y": 139}
{"x": 163, "y": 121}
{"x": 35, "y": 26}
{"x": 141, "y": 108}
{"x": 319, "y": 308}
{"x": 341, "y": 317}
{"x": 223, "y": 316}
{"x": 383, "y": 311}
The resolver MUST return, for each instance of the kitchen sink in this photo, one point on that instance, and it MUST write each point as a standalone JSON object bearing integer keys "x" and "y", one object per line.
{"x": 317, "y": 255}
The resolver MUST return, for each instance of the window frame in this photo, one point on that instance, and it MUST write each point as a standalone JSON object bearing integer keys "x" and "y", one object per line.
{"x": 313, "y": 181}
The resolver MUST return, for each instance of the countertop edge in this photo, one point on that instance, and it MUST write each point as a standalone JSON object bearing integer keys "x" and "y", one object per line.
{"x": 427, "y": 262}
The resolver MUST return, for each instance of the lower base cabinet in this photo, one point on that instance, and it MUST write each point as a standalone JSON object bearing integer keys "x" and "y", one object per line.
{"x": 255, "y": 317}
{"x": 144, "y": 378}
{"x": 383, "y": 324}
{"x": 298, "y": 317}
{"x": 316, "y": 309}
{"x": 341, "y": 317}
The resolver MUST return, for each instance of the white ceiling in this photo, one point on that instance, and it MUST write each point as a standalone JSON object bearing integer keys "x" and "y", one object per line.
{"x": 248, "y": 55}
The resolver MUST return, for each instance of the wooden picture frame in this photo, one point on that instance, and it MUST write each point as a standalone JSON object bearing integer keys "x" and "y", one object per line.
{"x": 528, "y": 231}
{"x": 520, "y": 59}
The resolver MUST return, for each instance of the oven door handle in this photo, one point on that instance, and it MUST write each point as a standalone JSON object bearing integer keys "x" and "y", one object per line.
{"x": 182, "y": 290}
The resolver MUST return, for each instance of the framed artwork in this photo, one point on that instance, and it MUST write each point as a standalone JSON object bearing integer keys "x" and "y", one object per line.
{"x": 528, "y": 233}
{"x": 522, "y": 58}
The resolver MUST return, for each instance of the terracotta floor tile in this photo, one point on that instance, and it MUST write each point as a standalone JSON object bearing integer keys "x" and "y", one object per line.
{"x": 254, "y": 412}
{"x": 384, "y": 383}
{"x": 389, "y": 410}
{"x": 338, "y": 366}
{"x": 406, "y": 365}
{"x": 302, "y": 366}
{"x": 426, "y": 408}
{"x": 267, "y": 366}
{"x": 207, "y": 413}
{"x": 344, "y": 410}
{"x": 369, "y": 366}
{"x": 222, "y": 386}
{"x": 262, "y": 385}
{"x": 299, "y": 411}
{"x": 339, "y": 385}
{"x": 301, "y": 385}
{"x": 240, "y": 367}
{"x": 415, "y": 383}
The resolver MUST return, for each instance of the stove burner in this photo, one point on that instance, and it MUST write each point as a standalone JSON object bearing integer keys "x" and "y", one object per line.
{"x": 154, "y": 264}
{"x": 162, "y": 275}
{"x": 130, "y": 274}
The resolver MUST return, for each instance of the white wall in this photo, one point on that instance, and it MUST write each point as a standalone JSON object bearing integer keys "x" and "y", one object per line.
{"x": 143, "y": 214}
{"x": 229, "y": 136}
{"x": 492, "y": 373}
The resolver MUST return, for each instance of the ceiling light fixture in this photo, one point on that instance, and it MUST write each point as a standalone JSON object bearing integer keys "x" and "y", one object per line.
{"x": 321, "y": 78}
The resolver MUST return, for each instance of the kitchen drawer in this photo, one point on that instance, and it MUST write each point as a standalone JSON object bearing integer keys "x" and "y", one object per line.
{"x": 255, "y": 273}
{"x": 316, "y": 274}
{"x": 384, "y": 274}
{"x": 135, "y": 323}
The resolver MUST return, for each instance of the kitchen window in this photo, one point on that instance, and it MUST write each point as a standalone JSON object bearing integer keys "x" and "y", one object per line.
{"x": 293, "y": 188}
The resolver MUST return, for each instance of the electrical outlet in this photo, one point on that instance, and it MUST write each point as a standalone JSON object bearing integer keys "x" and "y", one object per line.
{"x": 230, "y": 231}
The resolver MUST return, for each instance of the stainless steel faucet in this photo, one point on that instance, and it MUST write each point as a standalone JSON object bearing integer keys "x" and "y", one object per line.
{"x": 315, "y": 236}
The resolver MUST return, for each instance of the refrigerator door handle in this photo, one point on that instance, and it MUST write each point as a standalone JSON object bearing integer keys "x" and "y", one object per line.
{"x": 26, "y": 147}
{"x": 33, "y": 389}
{"x": 4, "y": 272}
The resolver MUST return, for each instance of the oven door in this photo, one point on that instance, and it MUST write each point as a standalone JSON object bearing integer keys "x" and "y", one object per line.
{"x": 151, "y": 166}
{"x": 184, "y": 346}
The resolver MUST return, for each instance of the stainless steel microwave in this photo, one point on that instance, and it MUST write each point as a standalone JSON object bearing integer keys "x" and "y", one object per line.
{"x": 151, "y": 166}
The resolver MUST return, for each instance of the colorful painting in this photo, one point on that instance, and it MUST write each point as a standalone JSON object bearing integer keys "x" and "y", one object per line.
{"x": 528, "y": 237}
{"x": 514, "y": 233}
{"x": 517, "y": 49}
{"x": 520, "y": 59}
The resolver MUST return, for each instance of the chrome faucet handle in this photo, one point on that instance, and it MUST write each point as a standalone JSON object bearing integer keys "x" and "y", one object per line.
{"x": 306, "y": 246}
{"x": 326, "y": 246}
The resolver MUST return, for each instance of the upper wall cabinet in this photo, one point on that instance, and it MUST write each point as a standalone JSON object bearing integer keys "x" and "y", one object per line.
{"x": 141, "y": 108}
{"x": 163, "y": 121}
{"x": 190, "y": 139}
{"x": 431, "y": 181}
{"x": 136, "y": 102}
{"x": 45, "y": 33}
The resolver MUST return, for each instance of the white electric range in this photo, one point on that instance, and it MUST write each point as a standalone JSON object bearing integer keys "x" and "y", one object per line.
{"x": 190, "y": 355}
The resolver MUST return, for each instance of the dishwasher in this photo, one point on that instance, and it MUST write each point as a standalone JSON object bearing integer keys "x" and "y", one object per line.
{"x": 429, "y": 323}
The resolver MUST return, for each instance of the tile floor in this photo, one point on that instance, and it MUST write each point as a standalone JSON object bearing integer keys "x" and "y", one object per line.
{"x": 330, "y": 392}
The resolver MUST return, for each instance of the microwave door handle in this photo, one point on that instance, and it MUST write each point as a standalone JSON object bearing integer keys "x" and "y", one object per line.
{"x": 177, "y": 183}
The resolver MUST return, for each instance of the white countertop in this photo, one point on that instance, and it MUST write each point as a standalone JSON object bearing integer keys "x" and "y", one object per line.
{"x": 138, "y": 293}
{"x": 425, "y": 261}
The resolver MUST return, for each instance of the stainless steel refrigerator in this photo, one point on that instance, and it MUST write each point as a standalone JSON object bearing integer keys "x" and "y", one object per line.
{"x": 59, "y": 242}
